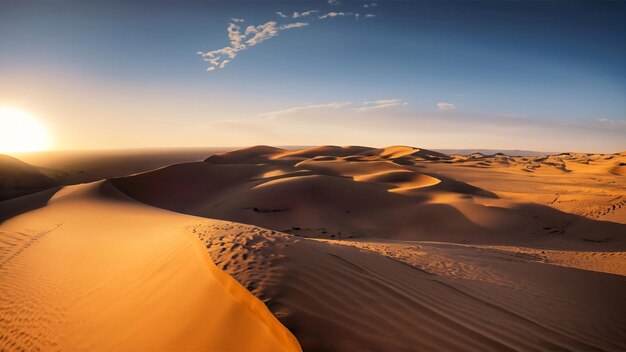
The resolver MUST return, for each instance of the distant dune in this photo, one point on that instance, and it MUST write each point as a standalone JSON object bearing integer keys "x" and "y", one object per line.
{"x": 18, "y": 178}
{"x": 36, "y": 171}
{"x": 355, "y": 192}
{"x": 71, "y": 167}
{"x": 341, "y": 248}
{"x": 511, "y": 152}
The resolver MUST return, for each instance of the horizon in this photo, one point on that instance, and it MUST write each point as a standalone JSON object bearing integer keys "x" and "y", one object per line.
{"x": 287, "y": 147}
{"x": 537, "y": 76}
{"x": 517, "y": 151}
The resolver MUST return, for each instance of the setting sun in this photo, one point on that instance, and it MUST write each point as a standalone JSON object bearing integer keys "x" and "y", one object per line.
{"x": 21, "y": 132}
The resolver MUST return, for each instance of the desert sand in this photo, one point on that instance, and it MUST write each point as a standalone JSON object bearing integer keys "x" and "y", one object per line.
{"x": 346, "y": 248}
{"x": 94, "y": 270}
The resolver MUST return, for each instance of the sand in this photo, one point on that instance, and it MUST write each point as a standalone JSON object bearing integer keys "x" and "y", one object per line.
{"x": 349, "y": 248}
{"x": 94, "y": 270}
{"x": 381, "y": 295}
{"x": 399, "y": 193}
{"x": 18, "y": 178}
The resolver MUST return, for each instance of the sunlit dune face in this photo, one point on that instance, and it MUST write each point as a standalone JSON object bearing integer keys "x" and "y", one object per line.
{"x": 21, "y": 132}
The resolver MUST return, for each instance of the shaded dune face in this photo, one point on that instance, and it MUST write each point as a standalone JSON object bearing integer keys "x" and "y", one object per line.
{"x": 358, "y": 192}
{"x": 19, "y": 178}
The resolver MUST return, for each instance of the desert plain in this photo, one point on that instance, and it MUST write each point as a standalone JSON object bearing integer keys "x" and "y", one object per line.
{"x": 319, "y": 248}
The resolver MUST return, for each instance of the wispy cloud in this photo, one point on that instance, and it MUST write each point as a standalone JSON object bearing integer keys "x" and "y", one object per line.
{"x": 379, "y": 104}
{"x": 291, "y": 110}
{"x": 303, "y": 14}
{"x": 445, "y": 106}
{"x": 612, "y": 122}
{"x": 337, "y": 105}
{"x": 294, "y": 25}
{"x": 297, "y": 14}
{"x": 373, "y": 4}
{"x": 253, "y": 35}
{"x": 332, "y": 14}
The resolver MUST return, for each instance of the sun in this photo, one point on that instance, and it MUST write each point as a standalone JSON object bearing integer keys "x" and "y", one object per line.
{"x": 21, "y": 132}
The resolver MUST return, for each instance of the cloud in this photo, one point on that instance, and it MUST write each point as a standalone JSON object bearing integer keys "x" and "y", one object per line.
{"x": 334, "y": 2}
{"x": 332, "y": 105}
{"x": 370, "y": 5}
{"x": 444, "y": 106}
{"x": 332, "y": 14}
{"x": 294, "y": 25}
{"x": 261, "y": 33}
{"x": 369, "y": 15}
{"x": 254, "y": 35}
{"x": 336, "y": 105}
{"x": 297, "y": 14}
{"x": 379, "y": 104}
{"x": 303, "y": 14}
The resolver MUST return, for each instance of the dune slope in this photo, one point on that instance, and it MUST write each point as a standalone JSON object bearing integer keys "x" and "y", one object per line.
{"x": 94, "y": 270}
{"x": 358, "y": 295}
{"x": 19, "y": 178}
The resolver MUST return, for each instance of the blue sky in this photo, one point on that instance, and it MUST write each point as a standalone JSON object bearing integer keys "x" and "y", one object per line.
{"x": 525, "y": 75}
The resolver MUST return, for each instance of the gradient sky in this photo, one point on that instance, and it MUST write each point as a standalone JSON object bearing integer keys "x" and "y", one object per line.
{"x": 547, "y": 76}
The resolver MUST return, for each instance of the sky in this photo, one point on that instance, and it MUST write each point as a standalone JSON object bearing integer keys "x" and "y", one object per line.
{"x": 547, "y": 76}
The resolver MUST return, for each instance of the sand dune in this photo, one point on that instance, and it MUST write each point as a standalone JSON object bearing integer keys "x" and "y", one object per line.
{"x": 347, "y": 295}
{"x": 94, "y": 270}
{"x": 589, "y": 185}
{"x": 327, "y": 150}
{"x": 375, "y": 197}
{"x": 252, "y": 155}
{"x": 505, "y": 271}
{"x": 73, "y": 167}
{"x": 350, "y": 248}
{"x": 405, "y": 152}
{"x": 19, "y": 178}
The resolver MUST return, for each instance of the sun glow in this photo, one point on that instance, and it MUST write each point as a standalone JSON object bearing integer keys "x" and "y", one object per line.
{"x": 21, "y": 132}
